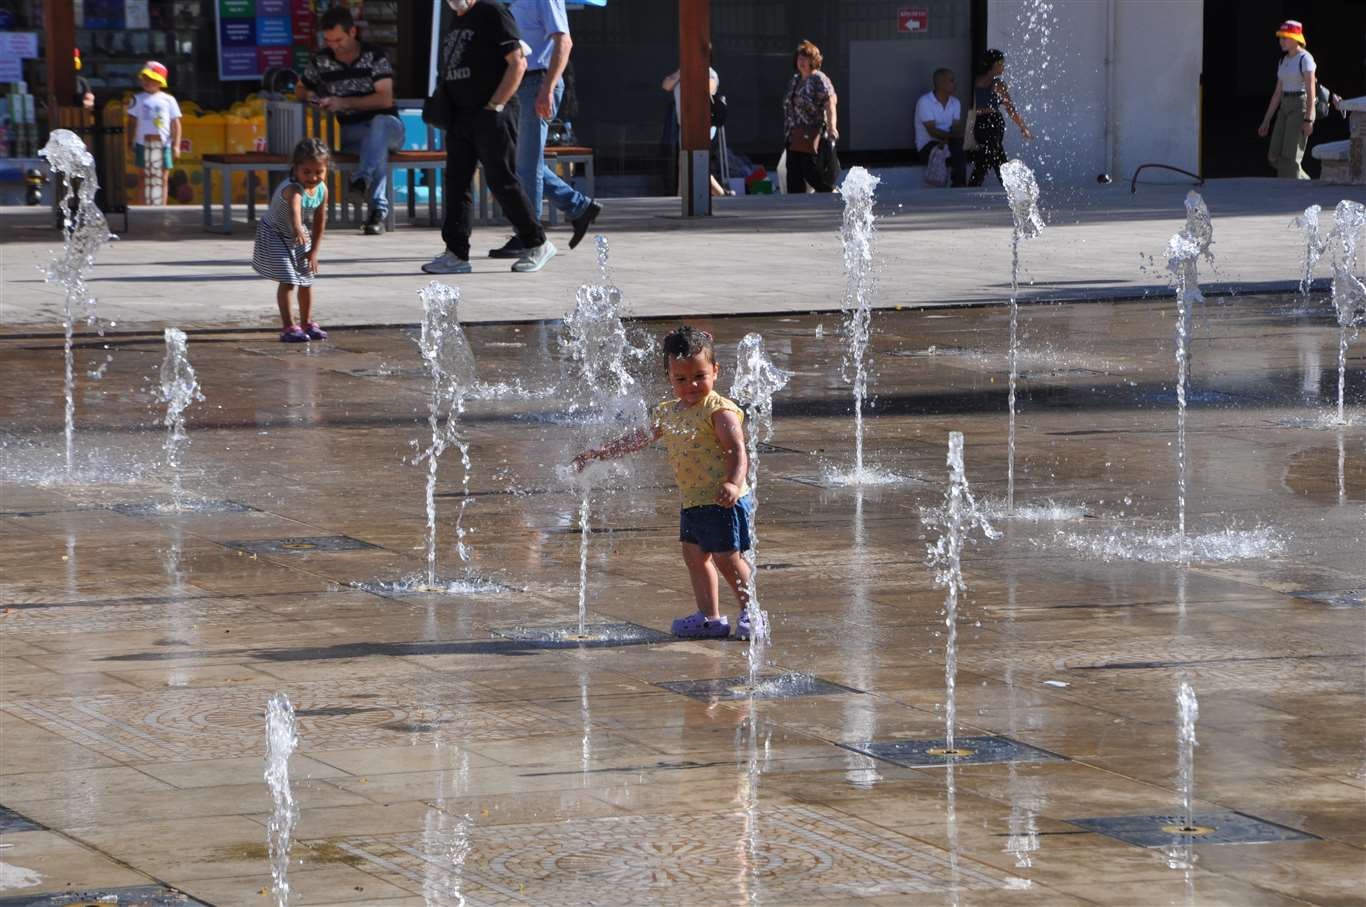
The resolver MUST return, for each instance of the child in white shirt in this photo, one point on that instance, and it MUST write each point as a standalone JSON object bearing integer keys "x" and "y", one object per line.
{"x": 154, "y": 126}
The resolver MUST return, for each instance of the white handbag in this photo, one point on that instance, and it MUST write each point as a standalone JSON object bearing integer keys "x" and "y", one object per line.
{"x": 969, "y": 125}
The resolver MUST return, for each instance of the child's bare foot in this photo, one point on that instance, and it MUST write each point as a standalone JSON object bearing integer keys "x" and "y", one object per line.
{"x": 696, "y": 626}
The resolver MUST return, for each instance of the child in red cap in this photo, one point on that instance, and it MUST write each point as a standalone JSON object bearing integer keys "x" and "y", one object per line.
{"x": 154, "y": 125}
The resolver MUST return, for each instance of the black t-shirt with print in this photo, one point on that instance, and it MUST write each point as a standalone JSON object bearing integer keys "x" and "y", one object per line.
{"x": 474, "y": 54}
{"x": 329, "y": 77}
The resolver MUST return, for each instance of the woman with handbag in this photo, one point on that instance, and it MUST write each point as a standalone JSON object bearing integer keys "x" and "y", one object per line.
{"x": 1295, "y": 95}
{"x": 811, "y": 124}
{"x": 985, "y": 123}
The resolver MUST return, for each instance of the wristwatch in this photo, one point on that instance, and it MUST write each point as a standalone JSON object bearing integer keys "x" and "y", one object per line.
{"x": 496, "y": 108}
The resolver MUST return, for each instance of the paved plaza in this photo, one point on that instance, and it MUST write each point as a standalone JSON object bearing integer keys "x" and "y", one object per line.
{"x": 464, "y": 748}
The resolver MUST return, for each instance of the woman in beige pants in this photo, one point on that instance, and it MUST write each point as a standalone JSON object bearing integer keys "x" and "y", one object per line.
{"x": 1292, "y": 104}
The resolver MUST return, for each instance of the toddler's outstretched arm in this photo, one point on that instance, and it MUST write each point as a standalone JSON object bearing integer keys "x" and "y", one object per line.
{"x": 628, "y": 443}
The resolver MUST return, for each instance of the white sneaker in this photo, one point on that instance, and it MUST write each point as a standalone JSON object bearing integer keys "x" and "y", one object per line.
{"x": 534, "y": 259}
{"x": 447, "y": 263}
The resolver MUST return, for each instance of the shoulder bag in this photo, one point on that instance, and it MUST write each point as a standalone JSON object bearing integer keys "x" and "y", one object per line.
{"x": 436, "y": 110}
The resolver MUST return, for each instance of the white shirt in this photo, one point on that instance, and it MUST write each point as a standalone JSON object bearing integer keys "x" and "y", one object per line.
{"x": 154, "y": 113}
{"x": 1292, "y": 69}
{"x": 928, "y": 109}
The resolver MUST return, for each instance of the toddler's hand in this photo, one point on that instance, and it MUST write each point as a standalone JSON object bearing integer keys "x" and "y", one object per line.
{"x": 313, "y": 262}
{"x": 728, "y": 495}
{"x": 581, "y": 461}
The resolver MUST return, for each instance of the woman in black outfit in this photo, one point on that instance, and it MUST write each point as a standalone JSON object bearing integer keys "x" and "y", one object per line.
{"x": 989, "y": 95}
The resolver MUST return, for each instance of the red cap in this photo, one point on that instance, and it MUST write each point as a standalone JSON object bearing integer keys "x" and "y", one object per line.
{"x": 155, "y": 71}
{"x": 1292, "y": 30}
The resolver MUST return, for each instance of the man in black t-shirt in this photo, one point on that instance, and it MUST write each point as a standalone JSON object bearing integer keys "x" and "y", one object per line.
{"x": 355, "y": 81}
{"x": 480, "y": 66}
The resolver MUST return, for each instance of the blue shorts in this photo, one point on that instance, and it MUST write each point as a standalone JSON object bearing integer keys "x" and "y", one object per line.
{"x": 716, "y": 529}
{"x": 140, "y": 157}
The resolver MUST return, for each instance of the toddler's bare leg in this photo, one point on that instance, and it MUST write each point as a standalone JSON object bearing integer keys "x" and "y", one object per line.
{"x": 735, "y": 569}
{"x": 702, "y": 573}
{"x": 282, "y": 294}
{"x": 305, "y": 305}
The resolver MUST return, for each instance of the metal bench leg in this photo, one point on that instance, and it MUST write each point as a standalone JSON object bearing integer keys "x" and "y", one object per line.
{"x": 226, "y": 190}
{"x": 251, "y": 197}
{"x": 437, "y": 175}
{"x": 206, "y": 184}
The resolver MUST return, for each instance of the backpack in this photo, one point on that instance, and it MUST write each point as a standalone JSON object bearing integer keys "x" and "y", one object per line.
{"x": 1323, "y": 102}
{"x": 719, "y": 111}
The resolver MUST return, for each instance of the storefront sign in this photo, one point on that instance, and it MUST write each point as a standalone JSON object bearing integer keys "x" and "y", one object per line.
{"x": 19, "y": 44}
{"x": 913, "y": 19}
{"x": 256, "y": 35}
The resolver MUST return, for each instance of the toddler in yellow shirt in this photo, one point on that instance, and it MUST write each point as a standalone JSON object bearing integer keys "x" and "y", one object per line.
{"x": 705, "y": 444}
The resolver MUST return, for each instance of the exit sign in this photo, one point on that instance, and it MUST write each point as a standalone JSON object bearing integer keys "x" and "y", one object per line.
{"x": 913, "y": 19}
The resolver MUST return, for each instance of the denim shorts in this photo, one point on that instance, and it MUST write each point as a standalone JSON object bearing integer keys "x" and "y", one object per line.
{"x": 716, "y": 529}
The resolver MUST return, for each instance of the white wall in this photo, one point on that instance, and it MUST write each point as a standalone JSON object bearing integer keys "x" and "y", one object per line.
{"x": 1092, "y": 113}
{"x": 885, "y": 80}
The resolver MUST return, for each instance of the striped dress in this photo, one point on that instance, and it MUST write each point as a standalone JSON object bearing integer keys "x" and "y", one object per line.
{"x": 278, "y": 256}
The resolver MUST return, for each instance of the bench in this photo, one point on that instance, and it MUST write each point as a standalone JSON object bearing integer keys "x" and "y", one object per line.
{"x": 254, "y": 162}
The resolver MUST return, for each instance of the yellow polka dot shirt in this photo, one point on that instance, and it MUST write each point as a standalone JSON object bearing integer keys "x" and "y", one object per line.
{"x": 695, "y": 453}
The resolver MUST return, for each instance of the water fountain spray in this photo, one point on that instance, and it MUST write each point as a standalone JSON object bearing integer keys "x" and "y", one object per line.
{"x": 447, "y": 356}
{"x": 179, "y": 388}
{"x": 84, "y": 232}
{"x": 281, "y": 741}
{"x": 1184, "y": 251}
{"x": 1349, "y": 292}
{"x": 1023, "y": 193}
{"x": 607, "y": 400}
{"x": 857, "y": 235}
{"x": 1180, "y": 855}
{"x": 757, "y": 379}
{"x": 959, "y": 515}
{"x": 1314, "y": 245}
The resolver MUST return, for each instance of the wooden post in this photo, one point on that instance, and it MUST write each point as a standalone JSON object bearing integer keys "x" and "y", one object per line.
{"x": 694, "y": 115}
{"x": 59, "y": 27}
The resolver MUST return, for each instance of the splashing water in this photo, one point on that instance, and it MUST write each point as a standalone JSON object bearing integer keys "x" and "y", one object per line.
{"x": 1184, "y": 251}
{"x": 1175, "y": 548}
{"x": 757, "y": 379}
{"x": 1185, "y": 750}
{"x": 446, "y": 354}
{"x": 607, "y": 400}
{"x": 1023, "y": 192}
{"x": 1349, "y": 292}
{"x": 958, "y": 517}
{"x": 1314, "y": 245}
{"x": 858, "y": 235}
{"x": 179, "y": 388}
{"x": 604, "y": 268}
{"x": 84, "y": 233}
{"x": 281, "y": 741}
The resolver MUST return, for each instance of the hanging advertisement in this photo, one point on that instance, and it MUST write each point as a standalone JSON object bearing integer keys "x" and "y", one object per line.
{"x": 256, "y": 35}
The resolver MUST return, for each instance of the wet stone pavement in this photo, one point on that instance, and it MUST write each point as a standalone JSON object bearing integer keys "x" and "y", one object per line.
{"x": 463, "y": 748}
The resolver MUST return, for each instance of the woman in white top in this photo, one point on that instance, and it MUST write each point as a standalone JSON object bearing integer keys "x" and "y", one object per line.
{"x": 1296, "y": 91}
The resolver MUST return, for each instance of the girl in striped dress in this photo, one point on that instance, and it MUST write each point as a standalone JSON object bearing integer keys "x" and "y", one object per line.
{"x": 287, "y": 250}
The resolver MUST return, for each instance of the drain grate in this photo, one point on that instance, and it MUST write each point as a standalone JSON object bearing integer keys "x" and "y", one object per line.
{"x": 300, "y": 545}
{"x": 770, "y": 686}
{"x": 1350, "y": 598}
{"x": 140, "y": 896}
{"x": 966, "y": 751}
{"x": 11, "y": 821}
{"x": 147, "y": 508}
{"x": 1226, "y": 827}
{"x": 597, "y": 634}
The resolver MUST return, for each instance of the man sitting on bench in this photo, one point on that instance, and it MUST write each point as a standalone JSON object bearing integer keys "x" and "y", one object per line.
{"x": 354, "y": 80}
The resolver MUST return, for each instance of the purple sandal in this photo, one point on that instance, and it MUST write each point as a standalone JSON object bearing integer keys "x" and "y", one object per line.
{"x": 293, "y": 334}
{"x": 314, "y": 331}
{"x": 695, "y": 626}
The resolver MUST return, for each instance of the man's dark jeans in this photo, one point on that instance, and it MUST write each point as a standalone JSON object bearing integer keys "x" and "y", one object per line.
{"x": 958, "y": 159}
{"x": 485, "y": 137}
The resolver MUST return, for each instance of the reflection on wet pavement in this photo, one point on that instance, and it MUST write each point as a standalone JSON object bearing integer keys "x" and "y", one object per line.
{"x": 473, "y": 748}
